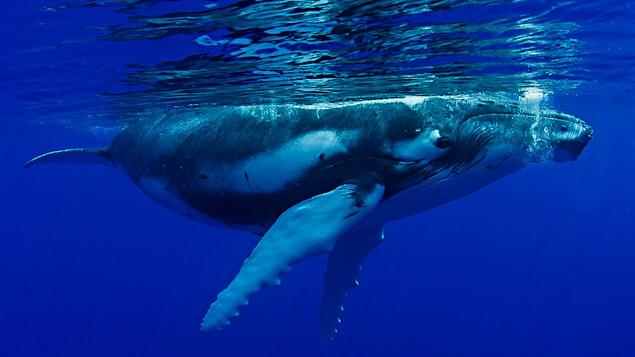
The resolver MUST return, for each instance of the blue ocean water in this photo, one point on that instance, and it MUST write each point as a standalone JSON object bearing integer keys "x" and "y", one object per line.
{"x": 541, "y": 263}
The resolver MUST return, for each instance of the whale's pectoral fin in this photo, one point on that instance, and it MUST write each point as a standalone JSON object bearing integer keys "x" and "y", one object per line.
{"x": 343, "y": 265}
{"x": 308, "y": 228}
{"x": 72, "y": 156}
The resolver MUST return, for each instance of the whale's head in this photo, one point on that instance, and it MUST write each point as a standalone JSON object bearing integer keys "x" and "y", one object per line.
{"x": 503, "y": 136}
{"x": 528, "y": 134}
{"x": 557, "y": 136}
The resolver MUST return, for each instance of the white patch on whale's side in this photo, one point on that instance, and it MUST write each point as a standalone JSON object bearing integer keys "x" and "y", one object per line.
{"x": 419, "y": 148}
{"x": 271, "y": 171}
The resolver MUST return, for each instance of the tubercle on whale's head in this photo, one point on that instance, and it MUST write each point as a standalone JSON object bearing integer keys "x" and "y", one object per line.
{"x": 506, "y": 131}
{"x": 563, "y": 136}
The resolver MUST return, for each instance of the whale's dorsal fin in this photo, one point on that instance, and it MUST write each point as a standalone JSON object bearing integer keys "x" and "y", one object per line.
{"x": 343, "y": 265}
{"x": 72, "y": 156}
{"x": 310, "y": 227}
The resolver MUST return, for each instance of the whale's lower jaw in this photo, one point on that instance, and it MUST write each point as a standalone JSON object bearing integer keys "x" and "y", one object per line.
{"x": 443, "y": 188}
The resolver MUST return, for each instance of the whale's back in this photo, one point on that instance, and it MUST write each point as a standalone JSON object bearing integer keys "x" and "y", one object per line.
{"x": 245, "y": 165}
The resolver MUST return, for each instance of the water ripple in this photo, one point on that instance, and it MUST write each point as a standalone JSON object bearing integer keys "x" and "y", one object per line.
{"x": 248, "y": 51}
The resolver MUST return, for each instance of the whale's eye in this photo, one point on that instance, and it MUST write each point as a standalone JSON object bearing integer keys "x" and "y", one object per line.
{"x": 564, "y": 128}
{"x": 443, "y": 142}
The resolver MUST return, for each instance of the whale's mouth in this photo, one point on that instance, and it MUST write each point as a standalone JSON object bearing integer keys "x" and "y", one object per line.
{"x": 570, "y": 149}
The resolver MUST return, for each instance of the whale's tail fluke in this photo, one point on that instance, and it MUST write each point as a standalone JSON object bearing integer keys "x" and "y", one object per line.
{"x": 73, "y": 156}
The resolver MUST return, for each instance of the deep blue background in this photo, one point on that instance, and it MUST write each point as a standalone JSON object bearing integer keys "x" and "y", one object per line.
{"x": 541, "y": 263}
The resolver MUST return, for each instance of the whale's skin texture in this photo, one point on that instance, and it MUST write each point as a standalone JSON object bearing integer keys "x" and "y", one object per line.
{"x": 228, "y": 164}
{"x": 326, "y": 178}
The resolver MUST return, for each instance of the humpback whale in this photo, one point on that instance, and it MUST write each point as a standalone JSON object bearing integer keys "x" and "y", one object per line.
{"x": 326, "y": 178}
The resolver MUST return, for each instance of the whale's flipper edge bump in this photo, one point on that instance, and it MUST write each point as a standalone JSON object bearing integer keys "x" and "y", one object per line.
{"x": 309, "y": 228}
{"x": 344, "y": 263}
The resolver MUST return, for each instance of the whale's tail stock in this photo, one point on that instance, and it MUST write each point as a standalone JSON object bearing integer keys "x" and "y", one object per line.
{"x": 72, "y": 156}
